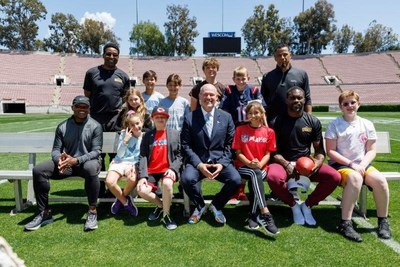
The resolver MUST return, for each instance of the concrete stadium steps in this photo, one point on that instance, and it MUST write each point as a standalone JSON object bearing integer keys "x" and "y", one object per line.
{"x": 362, "y": 68}
{"x": 312, "y": 65}
{"x": 29, "y": 67}
{"x": 164, "y": 66}
{"x": 76, "y": 66}
{"x": 30, "y": 94}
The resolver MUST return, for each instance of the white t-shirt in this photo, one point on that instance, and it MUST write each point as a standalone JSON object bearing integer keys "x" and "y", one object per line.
{"x": 351, "y": 137}
{"x": 176, "y": 109}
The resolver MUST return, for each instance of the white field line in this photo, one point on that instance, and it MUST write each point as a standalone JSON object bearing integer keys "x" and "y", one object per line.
{"x": 36, "y": 130}
{"x": 393, "y": 244}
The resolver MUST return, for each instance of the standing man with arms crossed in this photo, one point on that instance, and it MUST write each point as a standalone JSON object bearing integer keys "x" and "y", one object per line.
{"x": 105, "y": 85}
{"x": 206, "y": 139}
{"x": 76, "y": 152}
{"x": 277, "y": 82}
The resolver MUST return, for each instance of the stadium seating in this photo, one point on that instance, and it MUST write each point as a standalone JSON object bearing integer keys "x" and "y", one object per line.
{"x": 362, "y": 68}
{"x": 30, "y": 76}
{"x": 28, "y": 67}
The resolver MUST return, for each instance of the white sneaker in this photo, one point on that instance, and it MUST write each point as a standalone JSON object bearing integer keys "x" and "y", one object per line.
{"x": 298, "y": 217}
{"x": 307, "y": 214}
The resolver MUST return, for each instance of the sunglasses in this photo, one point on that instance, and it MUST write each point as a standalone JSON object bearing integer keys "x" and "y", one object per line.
{"x": 111, "y": 54}
{"x": 345, "y": 104}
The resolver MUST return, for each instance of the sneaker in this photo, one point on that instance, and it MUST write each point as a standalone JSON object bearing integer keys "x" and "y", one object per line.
{"x": 130, "y": 206}
{"x": 308, "y": 217}
{"x": 384, "y": 229}
{"x": 267, "y": 222}
{"x": 91, "y": 221}
{"x": 298, "y": 216}
{"x": 242, "y": 196}
{"x": 169, "y": 223}
{"x": 219, "y": 216}
{"x": 155, "y": 214}
{"x": 116, "y": 206}
{"x": 252, "y": 223}
{"x": 195, "y": 218}
{"x": 39, "y": 221}
{"x": 346, "y": 229}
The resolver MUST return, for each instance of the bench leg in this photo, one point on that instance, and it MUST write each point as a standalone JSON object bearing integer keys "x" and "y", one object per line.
{"x": 363, "y": 201}
{"x": 30, "y": 198}
{"x": 186, "y": 205}
{"x": 19, "y": 201}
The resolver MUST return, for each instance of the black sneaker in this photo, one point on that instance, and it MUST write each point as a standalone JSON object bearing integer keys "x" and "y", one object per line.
{"x": 169, "y": 223}
{"x": 384, "y": 229}
{"x": 267, "y": 222}
{"x": 91, "y": 221}
{"x": 346, "y": 229}
{"x": 38, "y": 221}
{"x": 252, "y": 223}
{"x": 155, "y": 214}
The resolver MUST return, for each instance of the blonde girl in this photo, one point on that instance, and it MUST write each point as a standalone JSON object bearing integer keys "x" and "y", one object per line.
{"x": 124, "y": 165}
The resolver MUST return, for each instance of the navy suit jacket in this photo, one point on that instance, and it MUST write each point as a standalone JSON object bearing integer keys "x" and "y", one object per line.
{"x": 198, "y": 148}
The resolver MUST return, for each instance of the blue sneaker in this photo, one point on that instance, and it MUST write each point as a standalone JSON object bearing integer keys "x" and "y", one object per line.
{"x": 116, "y": 206}
{"x": 219, "y": 216}
{"x": 195, "y": 218}
{"x": 130, "y": 207}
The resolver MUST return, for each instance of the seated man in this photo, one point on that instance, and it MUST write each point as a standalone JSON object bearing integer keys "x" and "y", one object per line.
{"x": 76, "y": 152}
{"x": 206, "y": 139}
{"x": 295, "y": 132}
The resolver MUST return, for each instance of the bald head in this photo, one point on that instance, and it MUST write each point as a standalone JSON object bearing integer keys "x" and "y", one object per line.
{"x": 208, "y": 96}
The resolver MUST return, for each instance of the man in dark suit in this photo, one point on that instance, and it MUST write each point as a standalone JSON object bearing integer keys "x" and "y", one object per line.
{"x": 206, "y": 139}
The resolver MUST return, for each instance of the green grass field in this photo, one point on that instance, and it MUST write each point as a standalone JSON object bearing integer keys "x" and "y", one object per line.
{"x": 125, "y": 241}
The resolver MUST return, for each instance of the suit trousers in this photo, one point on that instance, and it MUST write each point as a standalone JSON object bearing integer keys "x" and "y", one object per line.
{"x": 229, "y": 176}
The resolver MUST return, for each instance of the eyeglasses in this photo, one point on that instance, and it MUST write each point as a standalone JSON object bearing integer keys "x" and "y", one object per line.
{"x": 345, "y": 104}
{"x": 111, "y": 54}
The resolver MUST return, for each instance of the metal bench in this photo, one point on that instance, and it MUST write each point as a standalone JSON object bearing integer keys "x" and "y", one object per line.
{"x": 35, "y": 143}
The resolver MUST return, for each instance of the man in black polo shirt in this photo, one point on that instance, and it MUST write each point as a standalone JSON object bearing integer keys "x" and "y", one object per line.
{"x": 105, "y": 85}
{"x": 277, "y": 82}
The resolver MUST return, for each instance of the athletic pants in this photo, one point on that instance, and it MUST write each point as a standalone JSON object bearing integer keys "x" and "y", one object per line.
{"x": 326, "y": 177}
{"x": 47, "y": 170}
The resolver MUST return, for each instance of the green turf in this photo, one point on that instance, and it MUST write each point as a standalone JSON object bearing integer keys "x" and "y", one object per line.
{"x": 125, "y": 241}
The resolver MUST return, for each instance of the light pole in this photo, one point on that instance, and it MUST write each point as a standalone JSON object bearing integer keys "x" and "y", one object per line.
{"x": 222, "y": 15}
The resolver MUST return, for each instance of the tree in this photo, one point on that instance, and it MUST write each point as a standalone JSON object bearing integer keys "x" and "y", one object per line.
{"x": 377, "y": 38}
{"x": 147, "y": 40}
{"x": 18, "y": 28}
{"x": 264, "y": 30}
{"x": 314, "y": 28}
{"x": 180, "y": 31}
{"x": 93, "y": 35}
{"x": 343, "y": 39}
{"x": 64, "y": 35}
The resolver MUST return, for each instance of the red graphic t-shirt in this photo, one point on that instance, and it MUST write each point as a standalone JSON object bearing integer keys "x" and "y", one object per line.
{"x": 253, "y": 142}
{"x": 159, "y": 158}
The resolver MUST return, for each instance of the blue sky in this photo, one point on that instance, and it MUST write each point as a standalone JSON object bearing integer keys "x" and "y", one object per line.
{"x": 216, "y": 15}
